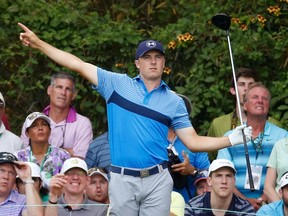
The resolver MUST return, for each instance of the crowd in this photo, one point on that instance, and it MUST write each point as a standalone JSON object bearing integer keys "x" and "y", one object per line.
{"x": 154, "y": 165}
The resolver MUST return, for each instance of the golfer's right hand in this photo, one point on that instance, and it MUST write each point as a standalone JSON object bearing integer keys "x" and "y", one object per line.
{"x": 237, "y": 137}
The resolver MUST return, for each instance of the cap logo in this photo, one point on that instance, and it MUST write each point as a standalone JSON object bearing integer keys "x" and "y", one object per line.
{"x": 32, "y": 116}
{"x": 151, "y": 44}
{"x": 74, "y": 161}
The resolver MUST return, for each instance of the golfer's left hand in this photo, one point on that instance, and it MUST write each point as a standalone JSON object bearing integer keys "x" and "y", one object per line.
{"x": 237, "y": 137}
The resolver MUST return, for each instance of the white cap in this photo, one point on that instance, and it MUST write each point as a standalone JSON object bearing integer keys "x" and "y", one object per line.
{"x": 2, "y": 99}
{"x": 32, "y": 117}
{"x": 35, "y": 169}
{"x": 96, "y": 171}
{"x": 284, "y": 180}
{"x": 219, "y": 163}
{"x": 74, "y": 163}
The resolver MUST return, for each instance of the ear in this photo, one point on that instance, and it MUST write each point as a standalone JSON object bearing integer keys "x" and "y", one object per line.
{"x": 136, "y": 63}
{"x": 281, "y": 193}
{"x": 74, "y": 95}
{"x": 244, "y": 106}
{"x": 27, "y": 134}
{"x": 232, "y": 91}
{"x": 209, "y": 181}
{"x": 49, "y": 89}
{"x": 88, "y": 180}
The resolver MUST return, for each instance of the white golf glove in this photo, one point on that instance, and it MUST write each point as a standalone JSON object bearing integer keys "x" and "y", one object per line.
{"x": 237, "y": 137}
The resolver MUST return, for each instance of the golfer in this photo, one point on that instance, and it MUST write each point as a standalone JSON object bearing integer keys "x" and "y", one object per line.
{"x": 140, "y": 111}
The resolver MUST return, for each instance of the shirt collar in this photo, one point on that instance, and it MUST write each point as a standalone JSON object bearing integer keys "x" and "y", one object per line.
{"x": 71, "y": 117}
{"x": 162, "y": 83}
{"x": 82, "y": 206}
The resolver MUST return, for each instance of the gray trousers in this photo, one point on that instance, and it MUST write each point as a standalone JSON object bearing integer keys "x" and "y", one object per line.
{"x": 135, "y": 196}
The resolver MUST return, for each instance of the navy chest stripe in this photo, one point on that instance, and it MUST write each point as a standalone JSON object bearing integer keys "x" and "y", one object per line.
{"x": 140, "y": 110}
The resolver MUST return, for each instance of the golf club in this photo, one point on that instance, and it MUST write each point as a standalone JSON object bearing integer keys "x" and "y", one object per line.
{"x": 223, "y": 22}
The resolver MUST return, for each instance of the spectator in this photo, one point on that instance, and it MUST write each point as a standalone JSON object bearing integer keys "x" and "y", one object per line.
{"x": 265, "y": 134}
{"x": 201, "y": 183}
{"x": 9, "y": 142}
{"x": 177, "y": 204}
{"x": 276, "y": 167}
{"x": 139, "y": 138}
{"x": 221, "y": 200}
{"x": 69, "y": 129}
{"x": 11, "y": 202}
{"x": 72, "y": 180}
{"x": 36, "y": 177}
{"x": 98, "y": 154}
{"x": 280, "y": 207}
{"x": 48, "y": 157}
{"x": 219, "y": 126}
{"x": 97, "y": 189}
{"x": 191, "y": 161}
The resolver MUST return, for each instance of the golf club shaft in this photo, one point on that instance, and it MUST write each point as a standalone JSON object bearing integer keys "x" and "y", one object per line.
{"x": 240, "y": 116}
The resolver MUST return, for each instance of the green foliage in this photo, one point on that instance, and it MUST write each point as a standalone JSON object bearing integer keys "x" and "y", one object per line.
{"x": 106, "y": 34}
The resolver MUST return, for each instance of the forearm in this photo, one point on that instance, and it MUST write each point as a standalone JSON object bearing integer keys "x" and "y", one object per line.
{"x": 33, "y": 200}
{"x": 271, "y": 194}
{"x": 62, "y": 58}
{"x": 205, "y": 144}
{"x": 52, "y": 209}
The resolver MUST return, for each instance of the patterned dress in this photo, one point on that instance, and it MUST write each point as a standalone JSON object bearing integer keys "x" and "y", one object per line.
{"x": 52, "y": 162}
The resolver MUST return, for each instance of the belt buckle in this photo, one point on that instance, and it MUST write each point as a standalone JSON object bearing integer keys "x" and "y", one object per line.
{"x": 144, "y": 173}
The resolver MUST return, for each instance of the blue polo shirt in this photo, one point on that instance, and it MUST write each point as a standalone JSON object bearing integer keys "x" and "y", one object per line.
{"x": 138, "y": 120}
{"x": 236, "y": 154}
{"x": 272, "y": 209}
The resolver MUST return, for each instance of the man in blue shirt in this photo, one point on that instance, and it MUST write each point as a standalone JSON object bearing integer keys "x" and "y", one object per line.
{"x": 140, "y": 112}
{"x": 280, "y": 207}
{"x": 265, "y": 135}
{"x": 98, "y": 154}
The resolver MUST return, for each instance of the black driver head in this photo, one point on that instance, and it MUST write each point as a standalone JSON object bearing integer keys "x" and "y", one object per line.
{"x": 222, "y": 21}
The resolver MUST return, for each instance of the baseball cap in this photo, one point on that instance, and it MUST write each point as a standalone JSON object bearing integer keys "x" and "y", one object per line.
{"x": 202, "y": 175}
{"x": 219, "y": 163}
{"x": 74, "y": 163}
{"x": 2, "y": 101}
{"x": 148, "y": 45}
{"x": 34, "y": 116}
{"x": 35, "y": 170}
{"x": 284, "y": 180}
{"x": 7, "y": 157}
{"x": 97, "y": 171}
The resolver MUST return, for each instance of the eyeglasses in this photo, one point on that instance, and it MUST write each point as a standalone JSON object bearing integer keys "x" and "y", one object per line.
{"x": 73, "y": 172}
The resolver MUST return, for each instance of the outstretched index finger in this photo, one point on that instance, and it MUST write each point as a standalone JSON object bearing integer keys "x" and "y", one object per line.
{"x": 25, "y": 28}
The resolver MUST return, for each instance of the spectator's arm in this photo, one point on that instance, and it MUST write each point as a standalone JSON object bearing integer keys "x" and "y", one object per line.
{"x": 33, "y": 200}
{"x": 269, "y": 185}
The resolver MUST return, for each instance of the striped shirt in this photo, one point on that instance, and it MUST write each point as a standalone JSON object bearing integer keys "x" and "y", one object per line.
{"x": 139, "y": 120}
{"x": 98, "y": 154}
{"x": 200, "y": 206}
{"x": 13, "y": 205}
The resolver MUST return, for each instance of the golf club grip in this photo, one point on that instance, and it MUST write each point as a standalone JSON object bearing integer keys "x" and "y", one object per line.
{"x": 250, "y": 177}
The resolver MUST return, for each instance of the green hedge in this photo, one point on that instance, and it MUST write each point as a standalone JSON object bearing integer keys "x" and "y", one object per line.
{"x": 106, "y": 33}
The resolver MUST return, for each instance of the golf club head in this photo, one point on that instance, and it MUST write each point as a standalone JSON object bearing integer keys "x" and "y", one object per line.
{"x": 222, "y": 21}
